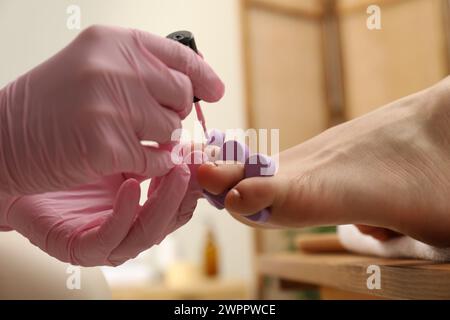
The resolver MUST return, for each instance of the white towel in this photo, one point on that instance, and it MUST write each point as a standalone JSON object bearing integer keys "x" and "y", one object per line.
{"x": 402, "y": 247}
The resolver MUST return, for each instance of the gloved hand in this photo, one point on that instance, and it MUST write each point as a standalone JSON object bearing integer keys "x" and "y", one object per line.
{"x": 80, "y": 115}
{"x": 102, "y": 223}
{"x": 141, "y": 236}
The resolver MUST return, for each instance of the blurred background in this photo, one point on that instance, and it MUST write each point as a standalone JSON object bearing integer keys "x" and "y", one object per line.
{"x": 300, "y": 66}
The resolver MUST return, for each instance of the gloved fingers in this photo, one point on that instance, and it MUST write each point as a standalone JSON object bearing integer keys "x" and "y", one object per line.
{"x": 194, "y": 191}
{"x": 159, "y": 125}
{"x": 194, "y": 155}
{"x": 184, "y": 149}
{"x": 155, "y": 216}
{"x": 169, "y": 87}
{"x": 150, "y": 120}
{"x": 153, "y": 186}
{"x": 207, "y": 85}
{"x": 125, "y": 208}
{"x": 94, "y": 245}
{"x": 179, "y": 152}
{"x": 186, "y": 210}
{"x": 139, "y": 178}
{"x": 157, "y": 162}
{"x": 142, "y": 162}
{"x": 180, "y": 156}
{"x": 187, "y": 93}
{"x": 175, "y": 225}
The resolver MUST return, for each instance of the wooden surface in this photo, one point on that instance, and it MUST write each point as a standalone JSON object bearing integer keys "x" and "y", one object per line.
{"x": 208, "y": 289}
{"x": 400, "y": 278}
{"x": 327, "y": 293}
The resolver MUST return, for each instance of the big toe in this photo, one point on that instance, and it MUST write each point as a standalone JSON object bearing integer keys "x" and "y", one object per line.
{"x": 218, "y": 177}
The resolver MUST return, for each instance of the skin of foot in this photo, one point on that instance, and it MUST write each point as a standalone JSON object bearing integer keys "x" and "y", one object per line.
{"x": 388, "y": 172}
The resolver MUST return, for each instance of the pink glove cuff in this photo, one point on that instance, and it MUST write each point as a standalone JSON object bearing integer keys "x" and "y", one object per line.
{"x": 2, "y": 133}
{"x": 6, "y": 203}
{"x": 5, "y": 146}
{"x": 6, "y": 200}
{"x": 2, "y": 100}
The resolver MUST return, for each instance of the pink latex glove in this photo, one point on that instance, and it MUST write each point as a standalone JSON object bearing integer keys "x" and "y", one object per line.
{"x": 102, "y": 223}
{"x": 80, "y": 115}
{"x": 142, "y": 236}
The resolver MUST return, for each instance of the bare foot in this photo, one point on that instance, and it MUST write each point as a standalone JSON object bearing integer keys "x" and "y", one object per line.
{"x": 389, "y": 169}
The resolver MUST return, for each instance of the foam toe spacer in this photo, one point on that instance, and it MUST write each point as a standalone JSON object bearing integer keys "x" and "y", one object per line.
{"x": 261, "y": 216}
{"x": 256, "y": 165}
{"x": 233, "y": 151}
{"x": 259, "y": 165}
{"x": 217, "y": 200}
{"x": 216, "y": 138}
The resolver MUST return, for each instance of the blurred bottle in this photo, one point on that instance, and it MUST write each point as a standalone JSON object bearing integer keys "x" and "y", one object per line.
{"x": 210, "y": 255}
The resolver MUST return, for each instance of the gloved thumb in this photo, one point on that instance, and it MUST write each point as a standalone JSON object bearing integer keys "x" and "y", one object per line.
{"x": 111, "y": 232}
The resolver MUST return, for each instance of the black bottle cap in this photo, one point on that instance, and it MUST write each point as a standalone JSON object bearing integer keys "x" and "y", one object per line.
{"x": 186, "y": 38}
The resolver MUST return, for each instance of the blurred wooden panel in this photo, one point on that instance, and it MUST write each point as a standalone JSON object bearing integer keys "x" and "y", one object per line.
{"x": 311, "y": 8}
{"x": 405, "y": 56}
{"x": 446, "y": 14}
{"x": 286, "y": 77}
{"x": 348, "y": 6}
{"x": 312, "y": 63}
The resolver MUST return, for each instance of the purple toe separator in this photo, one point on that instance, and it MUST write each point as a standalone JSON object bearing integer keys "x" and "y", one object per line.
{"x": 256, "y": 165}
{"x": 217, "y": 200}
{"x": 216, "y": 138}
{"x": 233, "y": 150}
{"x": 259, "y": 165}
{"x": 261, "y": 216}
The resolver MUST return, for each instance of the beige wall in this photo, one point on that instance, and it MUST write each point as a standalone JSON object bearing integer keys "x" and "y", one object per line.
{"x": 31, "y": 31}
